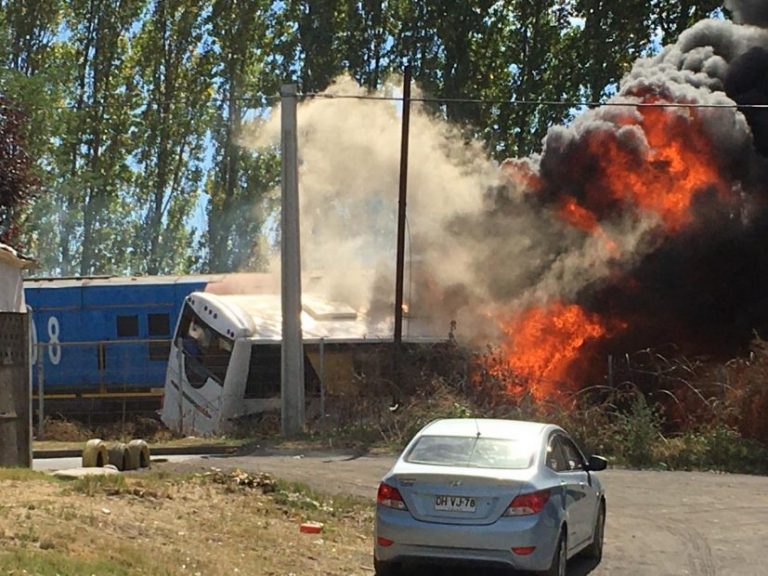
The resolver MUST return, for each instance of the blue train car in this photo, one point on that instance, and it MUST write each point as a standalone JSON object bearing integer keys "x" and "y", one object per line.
{"x": 104, "y": 336}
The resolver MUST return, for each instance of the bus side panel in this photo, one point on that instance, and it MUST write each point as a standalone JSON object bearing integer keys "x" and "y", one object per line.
{"x": 337, "y": 368}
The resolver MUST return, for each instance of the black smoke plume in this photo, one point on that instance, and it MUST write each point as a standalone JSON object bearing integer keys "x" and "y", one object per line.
{"x": 702, "y": 284}
{"x": 754, "y": 12}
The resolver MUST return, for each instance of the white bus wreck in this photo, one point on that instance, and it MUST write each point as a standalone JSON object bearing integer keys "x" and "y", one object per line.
{"x": 225, "y": 360}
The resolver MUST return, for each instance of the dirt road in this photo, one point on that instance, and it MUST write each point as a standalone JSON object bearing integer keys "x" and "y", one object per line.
{"x": 659, "y": 523}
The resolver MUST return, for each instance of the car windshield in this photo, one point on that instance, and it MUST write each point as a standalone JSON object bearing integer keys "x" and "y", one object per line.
{"x": 473, "y": 452}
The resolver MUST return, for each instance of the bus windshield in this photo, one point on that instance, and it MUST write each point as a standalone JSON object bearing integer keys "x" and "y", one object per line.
{"x": 206, "y": 352}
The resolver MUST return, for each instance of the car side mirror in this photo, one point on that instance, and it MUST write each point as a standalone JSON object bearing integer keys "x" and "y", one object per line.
{"x": 597, "y": 463}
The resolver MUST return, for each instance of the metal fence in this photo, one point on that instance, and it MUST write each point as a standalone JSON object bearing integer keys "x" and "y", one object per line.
{"x": 98, "y": 381}
{"x": 112, "y": 381}
{"x": 15, "y": 421}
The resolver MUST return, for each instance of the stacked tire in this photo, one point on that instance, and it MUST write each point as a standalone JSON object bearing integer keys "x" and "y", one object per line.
{"x": 138, "y": 454}
{"x": 118, "y": 456}
{"x": 95, "y": 454}
{"x": 131, "y": 456}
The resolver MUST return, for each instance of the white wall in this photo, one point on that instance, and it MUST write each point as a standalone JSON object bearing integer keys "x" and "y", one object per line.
{"x": 11, "y": 288}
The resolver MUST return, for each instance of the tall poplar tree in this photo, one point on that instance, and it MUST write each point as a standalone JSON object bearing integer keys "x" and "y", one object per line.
{"x": 672, "y": 17}
{"x": 365, "y": 40}
{"x": 172, "y": 66}
{"x": 499, "y": 52}
{"x": 247, "y": 36}
{"x": 97, "y": 138}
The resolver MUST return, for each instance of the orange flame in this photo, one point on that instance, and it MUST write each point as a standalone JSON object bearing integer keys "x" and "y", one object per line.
{"x": 678, "y": 164}
{"x": 520, "y": 174}
{"x": 577, "y": 216}
{"x": 542, "y": 344}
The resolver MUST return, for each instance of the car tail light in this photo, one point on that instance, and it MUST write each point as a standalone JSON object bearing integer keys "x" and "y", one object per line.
{"x": 524, "y": 550}
{"x": 526, "y": 504}
{"x": 385, "y": 542}
{"x": 390, "y": 497}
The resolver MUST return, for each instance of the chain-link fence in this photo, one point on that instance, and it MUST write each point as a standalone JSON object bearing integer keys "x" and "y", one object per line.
{"x": 112, "y": 382}
{"x": 97, "y": 382}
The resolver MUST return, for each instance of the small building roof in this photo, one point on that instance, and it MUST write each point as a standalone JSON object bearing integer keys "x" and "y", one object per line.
{"x": 11, "y": 257}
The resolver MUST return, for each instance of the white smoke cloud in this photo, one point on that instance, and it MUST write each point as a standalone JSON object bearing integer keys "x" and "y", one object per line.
{"x": 349, "y": 177}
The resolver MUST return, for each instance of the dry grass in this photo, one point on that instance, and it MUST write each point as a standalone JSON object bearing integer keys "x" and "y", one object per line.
{"x": 161, "y": 524}
{"x": 60, "y": 429}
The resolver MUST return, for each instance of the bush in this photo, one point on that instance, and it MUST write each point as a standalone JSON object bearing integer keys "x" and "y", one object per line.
{"x": 717, "y": 448}
{"x": 636, "y": 432}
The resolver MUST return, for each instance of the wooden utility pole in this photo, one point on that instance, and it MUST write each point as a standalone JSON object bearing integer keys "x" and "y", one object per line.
{"x": 401, "y": 207}
{"x": 292, "y": 373}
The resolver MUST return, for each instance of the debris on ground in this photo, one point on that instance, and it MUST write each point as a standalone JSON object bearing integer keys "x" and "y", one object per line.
{"x": 311, "y": 527}
{"x": 82, "y": 472}
{"x": 239, "y": 478}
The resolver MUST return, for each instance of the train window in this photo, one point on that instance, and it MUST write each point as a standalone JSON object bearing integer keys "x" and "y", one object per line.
{"x": 159, "y": 325}
{"x": 127, "y": 326}
{"x": 265, "y": 369}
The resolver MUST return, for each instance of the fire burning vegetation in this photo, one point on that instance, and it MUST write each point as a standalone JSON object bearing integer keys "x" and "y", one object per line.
{"x": 661, "y": 181}
{"x": 667, "y": 197}
{"x": 541, "y": 345}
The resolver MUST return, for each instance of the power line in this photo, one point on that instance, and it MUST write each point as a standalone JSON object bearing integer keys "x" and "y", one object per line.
{"x": 564, "y": 103}
{"x": 266, "y": 101}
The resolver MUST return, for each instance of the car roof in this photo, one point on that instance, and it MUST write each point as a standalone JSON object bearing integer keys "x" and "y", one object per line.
{"x": 488, "y": 427}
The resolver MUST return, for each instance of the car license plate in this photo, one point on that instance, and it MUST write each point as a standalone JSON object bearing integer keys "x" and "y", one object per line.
{"x": 454, "y": 504}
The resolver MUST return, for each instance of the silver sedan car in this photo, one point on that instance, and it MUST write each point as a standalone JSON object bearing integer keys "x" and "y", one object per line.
{"x": 514, "y": 494}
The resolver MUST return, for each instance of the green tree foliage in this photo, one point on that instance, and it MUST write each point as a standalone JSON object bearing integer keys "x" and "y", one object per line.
{"x": 172, "y": 67}
{"x": 317, "y": 27}
{"x": 328, "y": 37}
{"x": 240, "y": 183}
{"x": 366, "y": 31}
{"x": 96, "y": 138}
{"x": 615, "y": 34}
{"x": 17, "y": 183}
{"x": 33, "y": 80}
{"x": 514, "y": 50}
{"x": 672, "y": 17}
{"x": 536, "y": 41}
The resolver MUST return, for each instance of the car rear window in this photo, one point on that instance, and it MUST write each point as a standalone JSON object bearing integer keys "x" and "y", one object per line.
{"x": 472, "y": 452}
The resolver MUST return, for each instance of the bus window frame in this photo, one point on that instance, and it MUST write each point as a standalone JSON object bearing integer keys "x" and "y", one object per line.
{"x": 201, "y": 369}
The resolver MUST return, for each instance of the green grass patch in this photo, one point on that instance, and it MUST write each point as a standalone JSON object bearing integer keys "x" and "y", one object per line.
{"x": 54, "y": 563}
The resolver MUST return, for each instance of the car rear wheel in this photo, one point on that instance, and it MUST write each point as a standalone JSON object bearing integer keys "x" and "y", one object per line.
{"x": 595, "y": 550}
{"x": 386, "y": 568}
{"x": 559, "y": 560}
